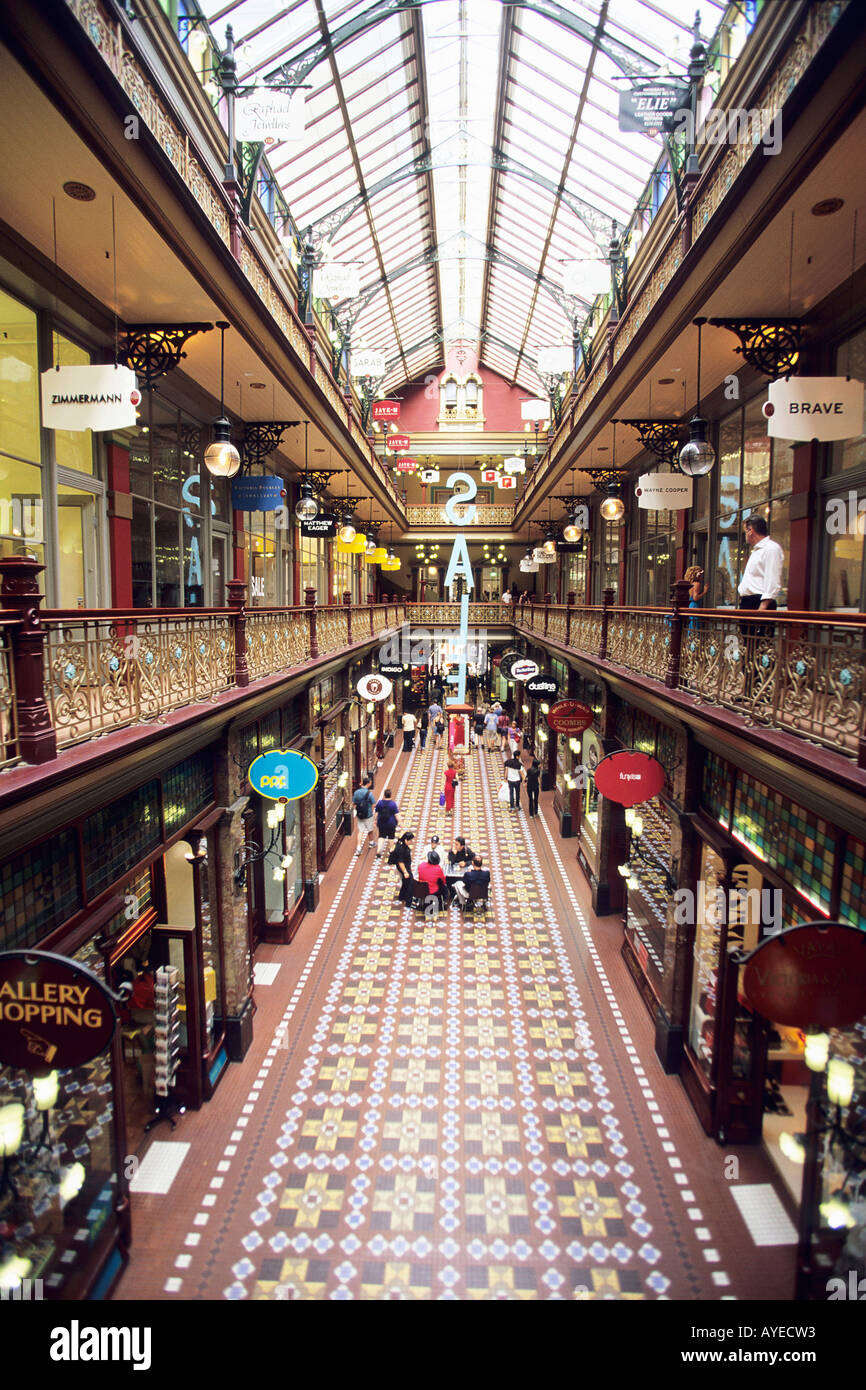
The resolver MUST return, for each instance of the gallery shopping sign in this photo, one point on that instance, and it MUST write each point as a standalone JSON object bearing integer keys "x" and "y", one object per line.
{"x": 814, "y": 407}
{"x": 282, "y": 775}
{"x": 54, "y": 1013}
{"x": 89, "y": 398}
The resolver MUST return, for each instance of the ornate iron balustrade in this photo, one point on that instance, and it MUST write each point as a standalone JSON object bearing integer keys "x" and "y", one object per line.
{"x": 434, "y": 515}
{"x": 448, "y": 614}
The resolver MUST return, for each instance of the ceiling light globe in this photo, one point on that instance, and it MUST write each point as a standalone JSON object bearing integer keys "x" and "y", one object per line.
{"x": 571, "y": 533}
{"x": 698, "y": 456}
{"x": 612, "y": 508}
{"x": 347, "y": 531}
{"x": 306, "y": 508}
{"x": 221, "y": 458}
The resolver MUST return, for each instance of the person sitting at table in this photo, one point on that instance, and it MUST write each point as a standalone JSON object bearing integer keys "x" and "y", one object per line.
{"x": 477, "y": 874}
{"x": 459, "y": 854}
{"x": 432, "y": 876}
{"x": 435, "y": 849}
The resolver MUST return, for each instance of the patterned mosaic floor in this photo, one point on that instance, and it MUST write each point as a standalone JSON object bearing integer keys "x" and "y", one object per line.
{"x": 440, "y": 1116}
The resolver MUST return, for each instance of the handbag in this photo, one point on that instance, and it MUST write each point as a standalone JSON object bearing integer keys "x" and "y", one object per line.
{"x": 504, "y": 794}
{"x": 441, "y": 798}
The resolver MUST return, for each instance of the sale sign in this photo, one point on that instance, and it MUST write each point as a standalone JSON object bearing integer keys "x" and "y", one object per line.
{"x": 629, "y": 777}
{"x": 569, "y": 717}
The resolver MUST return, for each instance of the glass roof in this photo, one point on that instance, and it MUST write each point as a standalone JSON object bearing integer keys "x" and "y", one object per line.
{"x": 459, "y": 137}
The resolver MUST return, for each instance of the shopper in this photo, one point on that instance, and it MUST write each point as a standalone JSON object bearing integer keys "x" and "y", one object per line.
{"x": 364, "y": 801}
{"x": 491, "y": 719}
{"x": 450, "y": 787}
{"x": 502, "y": 726}
{"x": 459, "y": 854}
{"x": 762, "y": 577}
{"x": 476, "y": 874}
{"x": 401, "y": 858}
{"x": 431, "y": 874}
{"x": 434, "y": 848}
{"x": 514, "y": 737}
{"x": 387, "y": 812}
{"x": 423, "y": 726}
{"x": 695, "y": 575}
{"x": 514, "y": 775}
{"x": 408, "y": 732}
{"x": 478, "y": 727}
{"x": 533, "y": 782}
{"x": 439, "y": 730}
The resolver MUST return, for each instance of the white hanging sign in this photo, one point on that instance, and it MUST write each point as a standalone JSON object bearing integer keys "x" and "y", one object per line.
{"x": 586, "y": 279}
{"x": 89, "y": 398}
{"x": 534, "y": 410}
{"x": 337, "y": 280}
{"x": 515, "y": 464}
{"x": 506, "y": 480}
{"x": 267, "y": 116}
{"x": 663, "y": 492}
{"x": 554, "y": 361}
{"x": 374, "y": 687}
{"x": 366, "y": 363}
{"x": 814, "y": 407}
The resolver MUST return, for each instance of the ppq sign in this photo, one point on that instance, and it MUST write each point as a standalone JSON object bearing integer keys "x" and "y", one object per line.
{"x": 814, "y": 407}
{"x": 54, "y": 1014}
{"x": 89, "y": 398}
{"x": 663, "y": 492}
{"x": 282, "y": 774}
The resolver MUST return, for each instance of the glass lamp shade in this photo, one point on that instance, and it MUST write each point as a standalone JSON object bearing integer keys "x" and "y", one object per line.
{"x": 380, "y": 555}
{"x": 11, "y": 1128}
{"x": 840, "y": 1082}
{"x": 817, "y": 1051}
{"x": 612, "y": 508}
{"x": 221, "y": 458}
{"x": 359, "y": 544}
{"x": 549, "y": 545}
{"x": 572, "y": 532}
{"x": 698, "y": 456}
{"x": 347, "y": 532}
{"x": 45, "y": 1089}
{"x": 306, "y": 508}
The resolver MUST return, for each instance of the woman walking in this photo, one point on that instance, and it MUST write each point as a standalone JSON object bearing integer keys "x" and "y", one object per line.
{"x": 450, "y": 787}
{"x": 423, "y": 726}
{"x": 439, "y": 729}
{"x": 514, "y": 775}
{"x": 533, "y": 782}
{"x": 695, "y": 575}
{"x": 401, "y": 858}
{"x": 387, "y": 812}
{"x": 478, "y": 730}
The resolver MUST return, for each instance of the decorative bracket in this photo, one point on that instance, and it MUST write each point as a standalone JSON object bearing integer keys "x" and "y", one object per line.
{"x": 659, "y": 437}
{"x": 152, "y": 349}
{"x": 604, "y": 478}
{"x": 771, "y": 346}
{"x": 262, "y": 437}
{"x": 320, "y": 477}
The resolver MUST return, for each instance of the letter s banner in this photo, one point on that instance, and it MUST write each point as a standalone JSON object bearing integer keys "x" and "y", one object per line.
{"x": 629, "y": 777}
{"x": 282, "y": 774}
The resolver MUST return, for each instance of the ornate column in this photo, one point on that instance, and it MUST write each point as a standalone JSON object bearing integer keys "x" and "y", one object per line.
{"x": 679, "y": 601}
{"x": 230, "y": 904}
{"x": 19, "y": 591}
{"x": 347, "y": 602}
{"x": 607, "y": 604}
{"x": 310, "y": 602}
{"x": 236, "y": 590}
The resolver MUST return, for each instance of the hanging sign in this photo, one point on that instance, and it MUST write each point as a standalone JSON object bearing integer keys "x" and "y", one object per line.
{"x": 569, "y": 717}
{"x": 524, "y": 669}
{"x": 555, "y": 361}
{"x": 515, "y": 464}
{"x": 629, "y": 777}
{"x": 398, "y": 443}
{"x": 390, "y": 669}
{"x": 812, "y": 976}
{"x": 385, "y": 410}
{"x": 644, "y": 107}
{"x": 282, "y": 774}
{"x": 814, "y": 407}
{"x": 534, "y": 410}
{"x": 319, "y": 526}
{"x": 586, "y": 279}
{"x": 406, "y": 465}
{"x": 257, "y": 492}
{"x": 663, "y": 492}
{"x": 54, "y": 1013}
{"x": 506, "y": 661}
{"x": 506, "y": 480}
{"x": 374, "y": 687}
{"x": 543, "y": 557}
{"x": 489, "y": 475}
{"x": 266, "y": 116}
{"x": 89, "y": 398}
{"x": 541, "y": 687}
{"x": 371, "y": 364}
{"x": 429, "y": 475}
{"x": 337, "y": 280}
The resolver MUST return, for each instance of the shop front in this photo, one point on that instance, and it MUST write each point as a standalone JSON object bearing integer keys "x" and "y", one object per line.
{"x": 329, "y": 717}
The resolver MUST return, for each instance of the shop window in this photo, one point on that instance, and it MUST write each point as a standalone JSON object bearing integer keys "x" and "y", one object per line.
{"x": 797, "y": 843}
{"x": 187, "y": 788}
{"x": 849, "y": 454}
{"x": 718, "y": 776}
{"x": 248, "y": 744}
{"x": 39, "y": 889}
{"x": 72, "y": 448}
{"x": 19, "y": 381}
{"x": 270, "y": 731}
{"x": 284, "y": 876}
{"x": 852, "y": 898}
{"x": 709, "y": 922}
{"x": 120, "y": 835}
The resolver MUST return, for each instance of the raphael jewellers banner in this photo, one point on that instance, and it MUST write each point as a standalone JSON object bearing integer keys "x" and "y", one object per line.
{"x": 89, "y": 398}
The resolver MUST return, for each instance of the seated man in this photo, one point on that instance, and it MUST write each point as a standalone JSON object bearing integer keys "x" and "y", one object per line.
{"x": 459, "y": 853}
{"x": 477, "y": 874}
{"x": 434, "y": 850}
{"x": 432, "y": 876}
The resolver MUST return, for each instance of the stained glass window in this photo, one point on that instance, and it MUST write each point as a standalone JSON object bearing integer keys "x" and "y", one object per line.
{"x": 796, "y": 842}
{"x": 120, "y": 835}
{"x": 39, "y": 890}
{"x": 186, "y": 789}
{"x": 853, "y": 894}
{"x": 716, "y": 787}
{"x": 270, "y": 731}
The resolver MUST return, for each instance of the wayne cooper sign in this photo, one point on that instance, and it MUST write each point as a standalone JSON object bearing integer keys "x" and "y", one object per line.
{"x": 89, "y": 398}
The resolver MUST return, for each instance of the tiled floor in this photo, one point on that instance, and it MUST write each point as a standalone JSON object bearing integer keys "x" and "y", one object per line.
{"x": 440, "y": 1109}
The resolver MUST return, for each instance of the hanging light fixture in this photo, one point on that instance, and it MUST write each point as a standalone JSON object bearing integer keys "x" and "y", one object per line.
{"x": 221, "y": 458}
{"x": 572, "y": 531}
{"x": 698, "y": 455}
{"x": 347, "y": 531}
{"x": 306, "y": 508}
{"x": 613, "y": 507}
{"x": 549, "y": 543}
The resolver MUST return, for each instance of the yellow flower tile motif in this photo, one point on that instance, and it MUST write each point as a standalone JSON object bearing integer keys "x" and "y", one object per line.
{"x": 404, "y": 1197}
{"x": 496, "y": 1205}
{"x": 329, "y": 1129}
{"x": 319, "y": 1192}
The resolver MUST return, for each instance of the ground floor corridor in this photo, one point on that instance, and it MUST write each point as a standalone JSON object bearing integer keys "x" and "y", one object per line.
{"x": 449, "y": 1108}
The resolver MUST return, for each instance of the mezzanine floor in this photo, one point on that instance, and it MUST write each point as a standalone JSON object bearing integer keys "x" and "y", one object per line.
{"x": 434, "y": 1109}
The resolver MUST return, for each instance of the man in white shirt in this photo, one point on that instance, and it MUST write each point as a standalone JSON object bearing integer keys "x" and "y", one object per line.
{"x": 408, "y": 732}
{"x": 762, "y": 577}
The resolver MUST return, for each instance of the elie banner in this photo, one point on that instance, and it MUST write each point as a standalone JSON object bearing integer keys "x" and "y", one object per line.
{"x": 629, "y": 777}
{"x": 54, "y": 1014}
{"x": 570, "y": 717}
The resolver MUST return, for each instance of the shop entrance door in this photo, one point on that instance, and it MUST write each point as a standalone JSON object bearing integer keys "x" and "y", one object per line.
{"x": 78, "y": 548}
{"x": 177, "y": 946}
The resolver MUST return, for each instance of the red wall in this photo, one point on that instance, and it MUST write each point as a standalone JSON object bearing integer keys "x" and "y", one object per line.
{"x": 419, "y": 408}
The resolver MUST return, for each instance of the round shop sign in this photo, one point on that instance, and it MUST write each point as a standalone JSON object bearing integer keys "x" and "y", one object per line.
{"x": 570, "y": 717}
{"x": 813, "y": 976}
{"x": 541, "y": 687}
{"x": 54, "y": 1013}
{"x": 629, "y": 777}
{"x": 374, "y": 687}
{"x": 282, "y": 774}
{"x": 507, "y": 660}
{"x": 524, "y": 669}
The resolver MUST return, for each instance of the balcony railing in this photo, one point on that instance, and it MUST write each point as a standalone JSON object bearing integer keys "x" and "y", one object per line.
{"x": 67, "y": 676}
{"x": 486, "y": 514}
{"x": 448, "y": 614}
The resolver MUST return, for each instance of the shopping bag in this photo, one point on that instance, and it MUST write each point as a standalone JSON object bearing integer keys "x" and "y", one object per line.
{"x": 503, "y": 792}
{"x": 441, "y": 798}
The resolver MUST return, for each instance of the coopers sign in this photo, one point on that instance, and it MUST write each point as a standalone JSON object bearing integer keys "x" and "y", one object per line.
{"x": 814, "y": 407}
{"x": 54, "y": 1013}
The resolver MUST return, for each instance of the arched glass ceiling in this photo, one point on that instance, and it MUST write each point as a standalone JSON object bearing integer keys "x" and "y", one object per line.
{"x": 464, "y": 85}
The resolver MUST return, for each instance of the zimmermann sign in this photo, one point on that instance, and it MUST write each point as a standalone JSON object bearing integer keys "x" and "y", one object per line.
{"x": 89, "y": 398}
